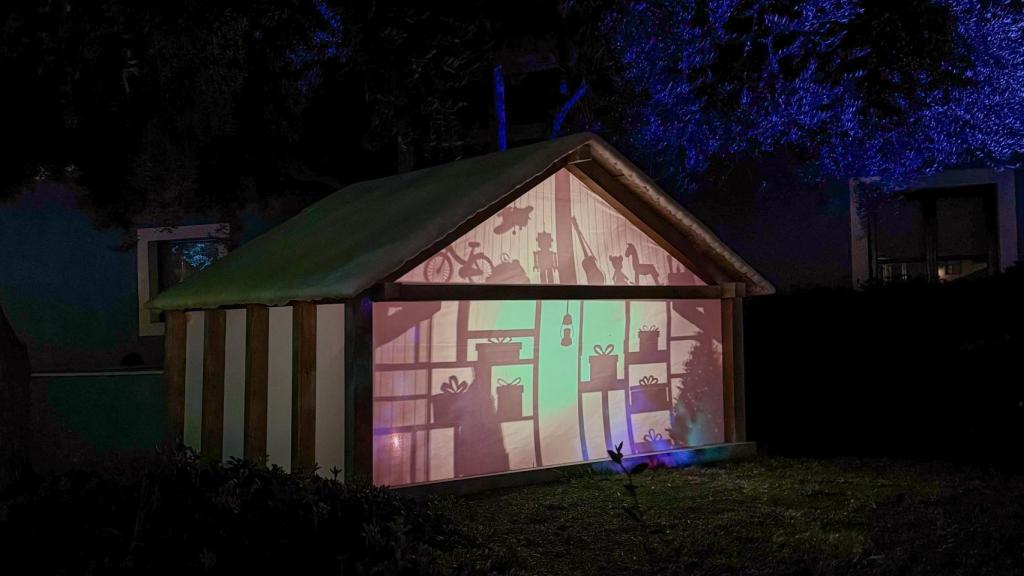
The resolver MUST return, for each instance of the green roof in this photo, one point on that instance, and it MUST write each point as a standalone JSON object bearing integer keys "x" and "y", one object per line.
{"x": 340, "y": 246}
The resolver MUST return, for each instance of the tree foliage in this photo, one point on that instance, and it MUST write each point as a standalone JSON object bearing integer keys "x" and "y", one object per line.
{"x": 159, "y": 110}
{"x": 156, "y": 111}
{"x": 830, "y": 89}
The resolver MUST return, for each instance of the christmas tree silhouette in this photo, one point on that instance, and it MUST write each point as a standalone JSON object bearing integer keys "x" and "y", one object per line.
{"x": 692, "y": 423}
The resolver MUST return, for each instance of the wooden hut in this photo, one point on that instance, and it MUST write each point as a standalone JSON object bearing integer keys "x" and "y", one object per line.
{"x": 520, "y": 310}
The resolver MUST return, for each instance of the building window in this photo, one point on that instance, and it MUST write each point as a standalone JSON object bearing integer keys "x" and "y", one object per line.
{"x": 937, "y": 234}
{"x": 168, "y": 256}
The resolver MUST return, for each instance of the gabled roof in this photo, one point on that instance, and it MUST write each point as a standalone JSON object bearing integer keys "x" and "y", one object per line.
{"x": 342, "y": 245}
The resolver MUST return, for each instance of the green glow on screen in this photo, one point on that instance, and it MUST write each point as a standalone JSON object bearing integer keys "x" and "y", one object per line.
{"x": 484, "y": 387}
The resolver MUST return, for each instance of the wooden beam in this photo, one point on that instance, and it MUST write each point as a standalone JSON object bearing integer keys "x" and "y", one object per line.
{"x": 392, "y": 291}
{"x": 739, "y": 373}
{"x": 257, "y": 328}
{"x": 931, "y": 238}
{"x": 734, "y": 407}
{"x": 650, "y": 221}
{"x": 564, "y": 248}
{"x": 212, "y": 443}
{"x": 303, "y": 386}
{"x": 174, "y": 373}
{"x": 359, "y": 389}
{"x": 728, "y": 371}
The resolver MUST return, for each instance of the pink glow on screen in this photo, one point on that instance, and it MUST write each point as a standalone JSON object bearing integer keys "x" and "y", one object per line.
{"x": 466, "y": 388}
{"x": 560, "y": 232}
{"x": 480, "y": 387}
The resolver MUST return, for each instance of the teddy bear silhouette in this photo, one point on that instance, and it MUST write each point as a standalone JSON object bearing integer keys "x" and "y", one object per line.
{"x": 618, "y": 276}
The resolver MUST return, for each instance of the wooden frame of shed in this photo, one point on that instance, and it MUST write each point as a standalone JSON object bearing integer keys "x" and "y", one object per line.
{"x": 311, "y": 263}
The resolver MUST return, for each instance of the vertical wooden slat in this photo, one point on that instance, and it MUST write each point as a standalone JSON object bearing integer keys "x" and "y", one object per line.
{"x": 990, "y": 204}
{"x": 563, "y": 229}
{"x": 174, "y": 373}
{"x": 359, "y": 388}
{"x": 733, "y": 385}
{"x": 234, "y": 383}
{"x": 213, "y": 387}
{"x": 930, "y": 238}
{"x": 728, "y": 370}
{"x": 304, "y": 386}
{"x": 257, "y": 328}
{"x": 739, "y": 373}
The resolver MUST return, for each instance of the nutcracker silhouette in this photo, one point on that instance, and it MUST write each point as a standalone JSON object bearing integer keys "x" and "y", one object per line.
{"x": 545, "y": 260}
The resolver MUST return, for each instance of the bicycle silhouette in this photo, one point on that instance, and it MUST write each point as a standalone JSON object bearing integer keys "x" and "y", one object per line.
{"x": 475, "y": 266}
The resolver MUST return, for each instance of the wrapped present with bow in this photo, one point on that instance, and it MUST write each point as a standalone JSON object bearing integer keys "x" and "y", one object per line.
{"x": 451, "y": 402}
{"x": 650, "y": 396}
{"x": 653, "y": 442}
{"x": 498, "y": 350}
{"x": 604, "y": 364}
{"x": 648, "y": 336}
{"x": 510, "y": 399}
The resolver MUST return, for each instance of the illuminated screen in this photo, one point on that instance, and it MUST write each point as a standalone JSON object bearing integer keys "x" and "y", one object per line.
{"x": 560, "y": 232}
{"x": 465, "y": 388}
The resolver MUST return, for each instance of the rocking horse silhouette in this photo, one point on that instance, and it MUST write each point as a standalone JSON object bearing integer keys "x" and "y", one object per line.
{"x": 639, "y": 268}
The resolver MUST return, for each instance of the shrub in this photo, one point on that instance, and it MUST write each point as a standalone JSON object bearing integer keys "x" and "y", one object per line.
{"x": 919, "y": 370}
{"x": 175, "y": 514}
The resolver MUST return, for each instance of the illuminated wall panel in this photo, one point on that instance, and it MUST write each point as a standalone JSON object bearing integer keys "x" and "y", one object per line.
{"x": 473, "y": 387}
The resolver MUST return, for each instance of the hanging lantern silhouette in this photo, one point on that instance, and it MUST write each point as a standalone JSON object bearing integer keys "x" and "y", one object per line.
{"x": 567, "y": 327}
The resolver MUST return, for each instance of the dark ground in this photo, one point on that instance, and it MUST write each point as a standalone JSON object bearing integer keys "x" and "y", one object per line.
{"x": 766, "y": 516}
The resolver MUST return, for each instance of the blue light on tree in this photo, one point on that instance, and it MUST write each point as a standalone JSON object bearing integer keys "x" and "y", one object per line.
{"x": 725, "y": 78}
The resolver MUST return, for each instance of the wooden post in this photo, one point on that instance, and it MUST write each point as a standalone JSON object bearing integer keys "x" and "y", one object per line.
{"x": 257, "y": 328}
{"x": 174, "y": 373}
{"x": 931, "y": 254}
{"x": 733, "y": 393}
{"x": 359, "y": 388}
{"x": 739, "y": 373}
{"x": 564, "y": 229}
{"x": 303, "y": 386}
{"x": 212, "y": 443}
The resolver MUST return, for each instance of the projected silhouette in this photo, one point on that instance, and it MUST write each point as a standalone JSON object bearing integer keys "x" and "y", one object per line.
{"x": 513, "y": 218}
{"x": 618, "y": 276}
{"x": 464, "y": 388}
{"x": 543, "y": 227}
{"x": 640, "y": 269}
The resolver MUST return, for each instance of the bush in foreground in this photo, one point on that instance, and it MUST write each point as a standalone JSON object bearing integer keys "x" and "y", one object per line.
{"x": 174, "y": 514}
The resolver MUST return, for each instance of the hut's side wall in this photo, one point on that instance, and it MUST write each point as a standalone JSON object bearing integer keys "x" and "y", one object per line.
{"x": 329, "y": 375}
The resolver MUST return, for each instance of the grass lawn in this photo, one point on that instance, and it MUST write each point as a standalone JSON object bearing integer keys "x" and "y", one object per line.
{"x": 766, "y": 516}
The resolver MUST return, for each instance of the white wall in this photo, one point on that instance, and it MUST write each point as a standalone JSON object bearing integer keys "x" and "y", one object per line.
{"x": 330, "y": 385}
{"x": 279, "y": 388}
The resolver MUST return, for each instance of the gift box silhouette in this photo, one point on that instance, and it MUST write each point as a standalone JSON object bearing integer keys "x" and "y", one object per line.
{"x": 510, "y": 399}
{"x": 649, "y": 396}
{"x": 648, "y": 336}
{"x": 498, "y": 350}
{"x": 451, "y": 402}
{"x": 604, "y": 365}
{"x": 652, "y": 442}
